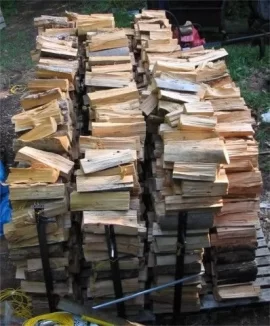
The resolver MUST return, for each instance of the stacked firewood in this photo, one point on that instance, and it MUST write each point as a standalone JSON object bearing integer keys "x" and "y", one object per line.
{"x": 45, "y": 148}
{"x": 234, "y": 239}
{"x": 108, "y": 190}
{"x": 197, "y": 158}
{"x": 166, "y": 136}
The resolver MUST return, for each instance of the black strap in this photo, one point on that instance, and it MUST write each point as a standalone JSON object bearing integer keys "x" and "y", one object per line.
{"x": 41, "y": 223}
{"x": 116, "y": 277}
{"x": 180, "y": 263}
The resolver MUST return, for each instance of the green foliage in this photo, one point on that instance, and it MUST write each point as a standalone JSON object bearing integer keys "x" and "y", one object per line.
{"x": 89, "y": 6}
{"x": 128, "y": 4}
{"x": 15, "y": 50}
{"x": 122, "y": 19}
{"x": 119, "y": 8}
{"x": 9, "y": 7}
{"x": 236, "y": 9}
{"x": 243, "y": 62}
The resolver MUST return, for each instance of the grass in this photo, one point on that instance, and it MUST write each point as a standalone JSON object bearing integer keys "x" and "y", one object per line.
{"x": 15, "y": 50}
{"x": 243, "y": 63}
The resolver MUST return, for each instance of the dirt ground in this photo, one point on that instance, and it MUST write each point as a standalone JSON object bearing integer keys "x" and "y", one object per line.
{"x": 9, "y": 105}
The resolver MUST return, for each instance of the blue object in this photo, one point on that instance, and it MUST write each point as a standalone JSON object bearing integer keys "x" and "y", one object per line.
{"x": 2, "y": 172}
{"x": 5, "y": 208}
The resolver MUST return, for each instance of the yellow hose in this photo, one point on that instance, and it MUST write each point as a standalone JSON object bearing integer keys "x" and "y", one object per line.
{"x": 21, "y": 303}
{"x": 61, "y": 318}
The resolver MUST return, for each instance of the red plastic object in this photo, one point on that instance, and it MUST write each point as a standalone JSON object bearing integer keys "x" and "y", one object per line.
{"x": 194, "y": 39}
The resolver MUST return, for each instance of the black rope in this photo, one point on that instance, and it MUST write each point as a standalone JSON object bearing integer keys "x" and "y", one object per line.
{"x": 41, "y": 222}
{"x": 116, "y": 277}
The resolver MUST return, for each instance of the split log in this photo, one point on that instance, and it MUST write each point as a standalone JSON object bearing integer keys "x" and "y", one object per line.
{"x": 32, "y": 175}
{"x": 106, "y": 160}
{"x": 231, "y": 130}
{"x": 36, "y": 156}
{"x": 35, "y": 117}
{"x": 177, "y": 202}
{"x": 100, "y": 201}
{"x": 33, "y": 100}
{"x": 149, "y": 104}
{"x": 105, "y": 288}
{"x": 38, "y": 85}
{"x": 48, "y": 127}
{"x": 205, "y": 151}
{"x": 108, "y": 60}
{"x": 241, "y": 272}
{"x": 125, "y": 222}
{"x": 177, "y": 97}
{"x": 236, "y": 256}
{"x": 55, "y": 250}
{"x": 57, "y": 145}
{"x": 229, "y": 104}
{"x": 59, "y": 274}
{"x": 219, "y": 187}
{"x": 116, "y": 39}
{"x": 113, "y": 96}
{"x": 105, "y": 80}
{"x": 120, "y": 143}
{"x": 236, "y": 291}
{"x": 176, "y": 85}
{"x": 23, "y": 211}
{"x": 39, "y": 287}
{"x": 195, "y": 171}
{"x": 36, "y": 263}
{"x": 123, "y": 67}
{"x": 104, "y": 183}
{"x": 110, "y": 129}
{"x": 37, "y": 191}
{"x": 199, "y": 108}
{"x": 192, "y": 122}
{"x": 173, "y": 117}
{"x": 244, "y": 183}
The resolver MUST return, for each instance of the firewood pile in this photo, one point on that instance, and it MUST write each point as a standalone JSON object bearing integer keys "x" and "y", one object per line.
{"x": 45, "y": 150}
{"x": 163, "y": 182}
{"x": 108, "y": 190}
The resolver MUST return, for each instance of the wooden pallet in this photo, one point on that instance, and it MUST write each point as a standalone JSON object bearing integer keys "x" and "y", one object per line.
{"x": 263, "y": 280}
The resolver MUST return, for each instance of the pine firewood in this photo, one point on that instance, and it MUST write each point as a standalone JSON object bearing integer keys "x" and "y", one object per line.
{"x": 37, "y": 191}
{"x": 32, "y": 175}
{"x": 48, "y": 127}
{"x": 55, "y": 161}
{"x": 33, "y": 100}
{"x": 105, "y": 159}
{"x": 192, "y": 122}
{"x": 206, "y": 151}
{"x": 104, "y": 183}
{"x": 31, "y": 118}
{"x": 113, "y": 96}
{"x": 100, "y": 201}
{"x": 199, "y": 108}
{"x": 195, "y": 171}
{"x": 47, "y": 84}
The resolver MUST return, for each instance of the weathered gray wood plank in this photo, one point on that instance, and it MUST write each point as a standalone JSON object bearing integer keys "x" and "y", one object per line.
{"x": 208, "y": 301}
{"x": 262, "y": 252}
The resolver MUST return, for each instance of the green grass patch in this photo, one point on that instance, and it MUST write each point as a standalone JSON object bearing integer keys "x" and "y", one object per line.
{"x": 243, "y": 62}
{"x": 15, "y": 50}
{"x": 9, "y": 8}
{"x": 119, "y": 8}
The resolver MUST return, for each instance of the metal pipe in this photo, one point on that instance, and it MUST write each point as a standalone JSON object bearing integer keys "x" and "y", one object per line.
{"x": 157, "y": 288}
{"x": 236, "y": 40}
